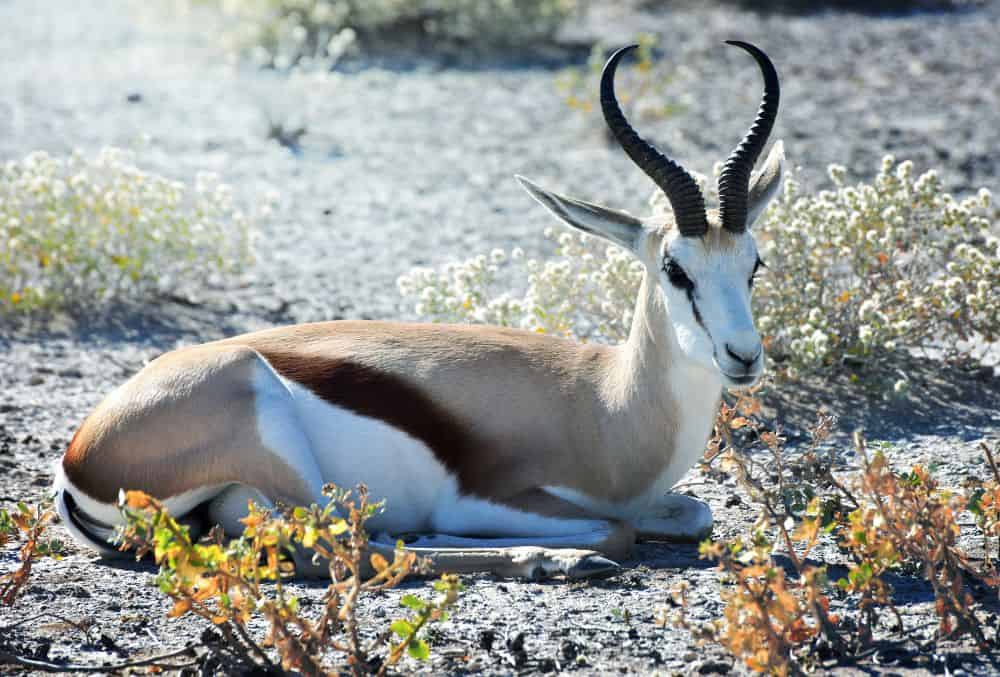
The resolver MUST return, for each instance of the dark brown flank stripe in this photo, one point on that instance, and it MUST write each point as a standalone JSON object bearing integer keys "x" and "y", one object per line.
{"x": 369, "y": 392}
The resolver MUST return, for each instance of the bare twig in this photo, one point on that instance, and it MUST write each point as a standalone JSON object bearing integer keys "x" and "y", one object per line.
{"x": 7, "y": 658}
{"x": 992, "y": 461}
{"x": 79, "y": 626}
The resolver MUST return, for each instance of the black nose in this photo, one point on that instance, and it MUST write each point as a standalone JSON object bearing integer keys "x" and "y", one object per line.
{"x": 742, "y": 359}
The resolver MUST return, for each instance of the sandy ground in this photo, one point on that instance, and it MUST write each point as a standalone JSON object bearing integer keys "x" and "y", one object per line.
{"x": 409, "y": 162}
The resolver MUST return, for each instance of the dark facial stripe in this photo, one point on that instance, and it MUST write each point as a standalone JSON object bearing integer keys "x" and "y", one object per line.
{"x": 697, "y": 313}
{"x": 700, "y": 320}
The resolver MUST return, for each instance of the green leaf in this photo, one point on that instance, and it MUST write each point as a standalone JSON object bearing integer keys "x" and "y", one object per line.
{"x": 418, "y": 649}
{"x": 402, "y": 627}
{"x": 413, "y": 602}
{"x": 975, "y": 502}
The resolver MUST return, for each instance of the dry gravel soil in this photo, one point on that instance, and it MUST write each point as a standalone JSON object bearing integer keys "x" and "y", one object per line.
{"x": 408, "y": 160}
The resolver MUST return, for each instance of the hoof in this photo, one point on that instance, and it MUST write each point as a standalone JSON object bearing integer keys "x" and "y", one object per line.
{"x": 539, "y": 564}
{"x": 592, "y": 566}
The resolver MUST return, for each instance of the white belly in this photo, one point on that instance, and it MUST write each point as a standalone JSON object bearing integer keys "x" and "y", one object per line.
{"x": 351, "y": 449}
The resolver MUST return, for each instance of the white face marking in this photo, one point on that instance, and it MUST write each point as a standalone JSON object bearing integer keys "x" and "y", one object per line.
{"x": 710, "y": 310}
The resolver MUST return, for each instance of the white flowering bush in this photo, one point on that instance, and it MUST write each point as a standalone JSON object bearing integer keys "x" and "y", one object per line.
{"x": 866, "y": 270}
{"x": 586, "y": 291}
{"x": 856, "y": 272}
{"x": 78, "y": 231}
{"x": 282, "y": 32}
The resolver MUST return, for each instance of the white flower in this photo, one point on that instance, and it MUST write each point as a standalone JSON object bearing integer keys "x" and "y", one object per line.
{"x": 819, "y": 337}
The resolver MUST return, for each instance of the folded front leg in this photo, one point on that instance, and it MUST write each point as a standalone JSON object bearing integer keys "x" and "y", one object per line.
{"x": 530, "y": 535}
{"x": 676, "y": 518}
{"x": 448, "y": 554}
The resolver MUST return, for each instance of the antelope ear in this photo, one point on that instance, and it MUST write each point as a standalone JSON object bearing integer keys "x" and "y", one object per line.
{"x": 621, "y": 228}
{"x": 766, "y": 184}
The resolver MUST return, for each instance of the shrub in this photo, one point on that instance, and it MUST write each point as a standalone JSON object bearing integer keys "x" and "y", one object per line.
{"x": 30, "y": 525}
{"x": 78, "y": 231}
{"x": 854, "y": 274}
{"x": 864, "y": 271}
{"x": 777, "y": 617}
{"x": 231, "y": 584}
{"x": 282, "y": 32}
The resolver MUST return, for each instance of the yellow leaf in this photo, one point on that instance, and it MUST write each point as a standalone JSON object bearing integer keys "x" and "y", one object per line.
{"x": 844, "y": 297}
{"x": 309, "y": 537}
{"x": 138, "y": 500}
{"x": 181, "y": 607}
{"x": 15, "y": 298}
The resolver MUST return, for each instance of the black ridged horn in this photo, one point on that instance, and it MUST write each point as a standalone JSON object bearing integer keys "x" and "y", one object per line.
{"x": 734, "y": 182}
{"x": 679, "y": 186}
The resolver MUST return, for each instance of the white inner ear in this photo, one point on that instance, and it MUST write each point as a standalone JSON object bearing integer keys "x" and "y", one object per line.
{"x": 619, "y": 227}
{"x": 766, "y": 184}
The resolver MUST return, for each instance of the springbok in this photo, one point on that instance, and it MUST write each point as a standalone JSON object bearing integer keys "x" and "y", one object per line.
{"x": 500, "y": 449}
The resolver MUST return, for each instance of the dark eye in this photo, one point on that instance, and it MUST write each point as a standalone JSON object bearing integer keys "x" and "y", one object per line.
{"x": 756, "y": 267}
{"x": 677, "y": 276}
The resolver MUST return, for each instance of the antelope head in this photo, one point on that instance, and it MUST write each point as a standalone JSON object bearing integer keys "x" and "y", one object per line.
{"x": 704, "y": 261}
